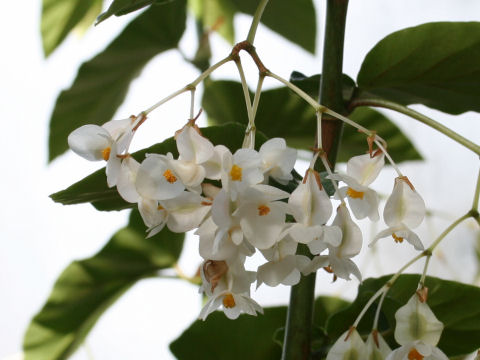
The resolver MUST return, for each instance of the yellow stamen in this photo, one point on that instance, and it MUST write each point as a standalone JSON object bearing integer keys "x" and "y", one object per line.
{"x": 228, "y": 301}
{"x": 160, "y": 207}
{"x": 236, "y": 173}
{"x": 169, "y": 176}
{"x": 355, "y": 194}
{"x": 398, "y": 239}
{"x": 106, "y": 153}
{"x": 263, "y": 210}
{"x": 415, "y": 355}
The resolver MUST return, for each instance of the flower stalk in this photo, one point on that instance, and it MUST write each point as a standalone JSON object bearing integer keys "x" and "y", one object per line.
{"x": 420, "y": 117}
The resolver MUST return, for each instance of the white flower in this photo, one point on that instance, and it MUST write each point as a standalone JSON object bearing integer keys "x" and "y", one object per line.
{"x": 338, "y": 258}
{"x": 240, "y": 170}
{"x": 261, "y": 216}
{"x": 416, "y": 321}
{"x": 284, "y": 266}
{"x": 213, "y": 166}
{"x": 349, "y": 346}
{"x": 405, "y": 209}
{"x": 157, "y": 179}
{"x": 417, "y": 350}
{"x": 311, "y": 207}
{"x": 229, "y": 287}
{"x": 224, "y": 248}
{"x": 194, "y": 150}
{"x": 309, "y": 203}
{"x": 278, "y": 160}
{"x": 192, "y": 146}
{"x": 377, "y": 348}
{"x": 181, "y": 214}
{"x": 362, "y": 170}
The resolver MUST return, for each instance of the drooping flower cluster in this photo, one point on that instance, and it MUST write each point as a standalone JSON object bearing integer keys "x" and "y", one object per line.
{"x": 228, "y": 199}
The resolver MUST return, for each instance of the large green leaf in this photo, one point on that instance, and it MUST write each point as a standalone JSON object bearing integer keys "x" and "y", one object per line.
{"x": 453, "y": 303}
{"x": 353, "y": 143}
{"x": 281, "y": 113}
{"x": 122, "y": 7}
{"x": 294, "y": 20}
{"x": 102, "y": 83}
{"x": 94, "y": 187}
{"x": 86, "y": 288}
{"x": 59, "y": 17}
{"x": 247, "y": 337}
{"x": 434, "y": 64}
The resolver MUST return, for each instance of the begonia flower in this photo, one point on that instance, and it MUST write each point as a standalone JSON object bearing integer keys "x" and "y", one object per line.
{"x": 404, "y": 210}
{"x": 362, "y": 170}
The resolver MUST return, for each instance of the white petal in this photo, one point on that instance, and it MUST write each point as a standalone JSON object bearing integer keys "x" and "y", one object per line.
{"x": 332, "y": 235}
{"x": 411, "y": 237}
{"x": 351, "y": 234}
{"x": 213, "y": 167}
{"x": 157, "y": 180}
{"x": 126, "y": 180}
{"x": 193, "y": 147}
{"x": 186, "y": 212}
{"x": 364, "y": 168}
{"x": 352, "y": 348}
{"x": 113, "y": 166}
{"x": 89, "y": 141}
{"x": 416, "y": 321}
{"x": 377, "y": 352}
{"x": 404, "y": 206}
{"x": 190, "y": 173}
{"x": 310, "y": 205}
{"x": 305, "y": 234}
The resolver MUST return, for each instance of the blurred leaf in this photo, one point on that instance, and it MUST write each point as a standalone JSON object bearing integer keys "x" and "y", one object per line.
{"x": 86, "y": 288}
{"x": 59, "y": 17}
{"x": 354, "y": 143}
{"x": 281, "y": 113}
{"x": 294, "y": 20}
{"x": 453, "y": 303}
{"x": 102, "y": 83}
{"x": 434, "y": 64}
{"x": 123, "y": 7}
{"x": 248, "y": 337}
{"x": 216, "y": 15}
{"x": 94, "y": 187}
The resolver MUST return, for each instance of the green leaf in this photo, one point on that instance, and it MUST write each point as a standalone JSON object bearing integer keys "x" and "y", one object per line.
{"x": 219, "y": 338}
{"x": 294, "y": 20}
{"x": 94, "y": 187}
{"x": 102, "y": 83}
{"x": 59, "y": 17}
{"x": 453, "y": 303}
{"x": 434, "y": 64}
{"x": 281, "y": 113}
{"x": 123, "y": 7}
{"x": 86, "y": 288}
{"x": 353, "y": 143}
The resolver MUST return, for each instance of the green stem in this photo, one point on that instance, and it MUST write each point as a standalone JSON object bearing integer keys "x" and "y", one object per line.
{"x": 477, "y": 194}
{"x": 256, "y": 20}
{"x": 298, "y": 329}
{"x": 447, "y": 231}
{"x": 420, "y": 117}
{"x": 189, "y": 87}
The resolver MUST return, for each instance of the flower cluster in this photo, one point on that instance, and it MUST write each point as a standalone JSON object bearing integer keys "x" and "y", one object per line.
{"x": 228, "y": 199}
{"x": 417, "y": 331}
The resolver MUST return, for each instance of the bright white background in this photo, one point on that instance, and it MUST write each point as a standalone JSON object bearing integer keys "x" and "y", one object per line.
{"x": 39, "y": 238}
